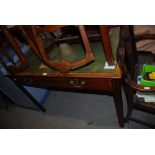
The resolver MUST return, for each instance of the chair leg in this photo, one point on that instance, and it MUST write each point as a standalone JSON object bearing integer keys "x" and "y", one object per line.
{"x": 118, "y": 101}
{"x": 129, "y": 98}
{"x": 129, "y": 112}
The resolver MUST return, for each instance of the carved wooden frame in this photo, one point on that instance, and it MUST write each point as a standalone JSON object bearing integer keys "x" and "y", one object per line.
{"x": 62, "y": 66}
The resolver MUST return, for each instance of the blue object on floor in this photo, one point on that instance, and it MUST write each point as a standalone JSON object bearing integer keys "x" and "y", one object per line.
{"x": 38, "y": 93}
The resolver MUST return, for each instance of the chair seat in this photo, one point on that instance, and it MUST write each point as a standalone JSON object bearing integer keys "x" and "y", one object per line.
{"x": 57, "y": 53}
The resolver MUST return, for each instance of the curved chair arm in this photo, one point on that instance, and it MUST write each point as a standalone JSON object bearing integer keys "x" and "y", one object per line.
{"x": 137, "y": 87}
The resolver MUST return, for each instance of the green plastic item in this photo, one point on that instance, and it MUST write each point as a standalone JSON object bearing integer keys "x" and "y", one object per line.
{"x": 145, "y": 69}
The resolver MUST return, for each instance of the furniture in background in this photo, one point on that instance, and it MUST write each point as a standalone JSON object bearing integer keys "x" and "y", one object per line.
{"x": 10, "y": 61}
{"x": 81, "y": 63}
{"x": 128, "y": 58}
{"x": 39, "y": 94}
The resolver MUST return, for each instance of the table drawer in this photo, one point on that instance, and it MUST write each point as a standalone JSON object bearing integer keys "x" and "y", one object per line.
{"x": 71, "y": 83}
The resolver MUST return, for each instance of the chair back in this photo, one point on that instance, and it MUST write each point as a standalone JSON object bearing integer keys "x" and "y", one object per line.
{"x": 127, "y": 52}
{"x": 11, "y": 56}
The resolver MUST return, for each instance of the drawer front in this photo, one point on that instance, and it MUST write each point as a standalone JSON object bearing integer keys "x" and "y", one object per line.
{"x": 70, "y": 83}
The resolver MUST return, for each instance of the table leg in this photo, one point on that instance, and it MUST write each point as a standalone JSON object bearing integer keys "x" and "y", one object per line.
{"x": 117, "y": 94}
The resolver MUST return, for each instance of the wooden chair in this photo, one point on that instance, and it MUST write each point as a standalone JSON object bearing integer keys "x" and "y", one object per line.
{"x": 128, "y": 58}
{"x": 63, "y": 65}
{"x": 7, "y": 42}
{"x": 13, "y": 59}
{"x": 94, "y": 33}
{"x": 68, "y": 65}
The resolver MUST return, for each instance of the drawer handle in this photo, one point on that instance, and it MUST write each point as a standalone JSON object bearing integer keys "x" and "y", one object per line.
{"x": 77, "y": 83}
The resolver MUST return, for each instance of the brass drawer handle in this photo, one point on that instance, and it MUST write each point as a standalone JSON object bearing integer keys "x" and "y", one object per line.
{"x": 77, "y": 83}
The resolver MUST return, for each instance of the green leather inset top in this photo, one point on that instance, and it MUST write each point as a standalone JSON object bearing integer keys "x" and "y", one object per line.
{"x": 75, "y": 52}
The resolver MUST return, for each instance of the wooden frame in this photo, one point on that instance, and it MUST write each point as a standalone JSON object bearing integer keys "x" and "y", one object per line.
{"x": 63, "y": 66}
{"x": 103, "y": 36}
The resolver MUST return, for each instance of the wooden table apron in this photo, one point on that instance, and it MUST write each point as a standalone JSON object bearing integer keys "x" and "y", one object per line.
{"x": 111, "y": 84}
